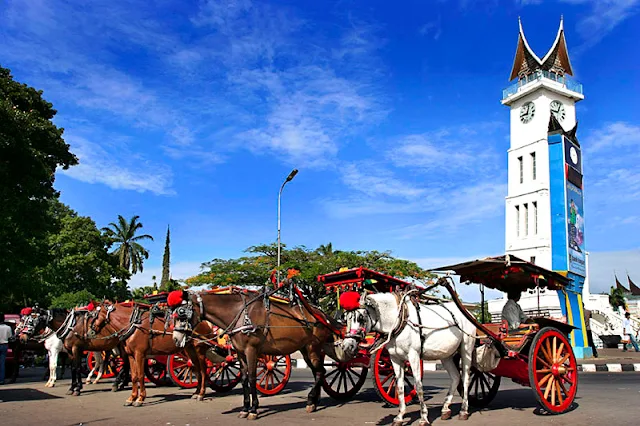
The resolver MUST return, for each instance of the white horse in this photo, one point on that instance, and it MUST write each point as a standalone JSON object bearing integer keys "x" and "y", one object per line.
{"x": 439, "y": 332}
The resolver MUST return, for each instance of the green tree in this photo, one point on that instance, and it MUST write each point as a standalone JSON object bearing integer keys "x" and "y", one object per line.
{"x": 166, "y": 262}
{"x": 130, "y": 253}
{"x": 79, "y": 259}
{"x": 616, "y": 298}
{"x": 477, "y": 312}
{"x": 31, "y": 149}
{"x": 255, "y": 268}
{"x": 72, "y": 299}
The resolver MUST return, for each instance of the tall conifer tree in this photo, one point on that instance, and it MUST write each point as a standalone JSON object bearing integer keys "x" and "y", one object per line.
{"x": 166, "y": 261}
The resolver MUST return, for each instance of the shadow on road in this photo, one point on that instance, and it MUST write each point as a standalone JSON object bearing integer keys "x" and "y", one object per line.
{"x": 24, "y": 394}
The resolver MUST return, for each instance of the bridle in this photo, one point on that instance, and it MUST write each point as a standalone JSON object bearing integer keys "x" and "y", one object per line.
{"x": 34, "y": 324}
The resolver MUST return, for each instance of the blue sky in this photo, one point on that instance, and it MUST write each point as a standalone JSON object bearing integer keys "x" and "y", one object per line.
{"x": 192, "y": 113}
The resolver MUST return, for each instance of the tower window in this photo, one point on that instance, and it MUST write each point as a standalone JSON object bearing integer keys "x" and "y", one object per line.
{"x": 532, "y": 260}
{"x": 526, "y": 219}
{"x": 517, "y": 221}
{"x": 535, "y": 218}
{"x": 520, "y": 166}
{"x": 533, "y": 165}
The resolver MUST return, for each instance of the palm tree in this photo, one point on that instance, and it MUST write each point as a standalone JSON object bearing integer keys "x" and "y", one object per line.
{"x": 128, "y": 249}
{"x": 616, "y": 298}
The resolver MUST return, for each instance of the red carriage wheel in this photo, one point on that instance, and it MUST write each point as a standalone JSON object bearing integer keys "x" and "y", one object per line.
{"x": 344, "y": 380}
{"x": 273, "y": 373}
{"x": 553, "y": 371}
{"x": 111, "y": 369}
{"x": 384, "y": 379}
{"x": 181, "y": 371}
{"x": 155, "y": 371}
{"x": 225, "y": 376}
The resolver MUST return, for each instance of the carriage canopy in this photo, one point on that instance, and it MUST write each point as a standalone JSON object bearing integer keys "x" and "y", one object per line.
{"x": 505, "y": 273}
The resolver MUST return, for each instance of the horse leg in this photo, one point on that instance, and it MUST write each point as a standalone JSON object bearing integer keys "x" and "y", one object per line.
{"x": 53, "y": 366}
{"x": 140, "y": 358}
{"x": 73, "y": 376}
{"x": 454, "y": 375}
{"x": 398, "y": 369}
{"x": 98, "y": 359}
{"x": 414, "y": 360}
{"x": 466, "y": 355}
{"x": 62, "y": 360}
{"x": 252, "y": 367}
{"x": 134, "y": 381}
{"x": 77, "y": 354}
{"x": 103, "y": 364}
{"x": 197, "y": 361}
{"x": 315, "y": 360}
{"x": 244, "y": 413}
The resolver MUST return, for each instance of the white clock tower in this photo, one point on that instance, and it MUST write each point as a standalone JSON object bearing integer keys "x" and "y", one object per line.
{"x": 543, "y": 88}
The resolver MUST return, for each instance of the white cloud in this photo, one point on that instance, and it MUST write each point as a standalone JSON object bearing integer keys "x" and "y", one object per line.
{"x": 359, "y": 177}
{"x": 432, "y": 28}
{"x": 97, "y": 165}
{"x": 179, "y": 270}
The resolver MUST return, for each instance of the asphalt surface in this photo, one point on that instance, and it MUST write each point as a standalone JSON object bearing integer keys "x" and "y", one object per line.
{"x": 603, "y": 398}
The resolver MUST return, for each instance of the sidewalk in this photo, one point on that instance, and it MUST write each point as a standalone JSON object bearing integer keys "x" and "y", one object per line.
{"x": 609, "y": 360}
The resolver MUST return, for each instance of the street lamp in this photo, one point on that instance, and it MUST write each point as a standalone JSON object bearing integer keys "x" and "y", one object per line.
{"x": 289, "y": 178}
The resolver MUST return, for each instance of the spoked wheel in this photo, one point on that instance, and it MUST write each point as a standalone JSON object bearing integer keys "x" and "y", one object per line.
{"x": 111, "y": 369}
{"x": 344, "y": 380}
{"x": 225, "y": 376}
{"x": 553, "y": 371}
{"x": 155, "y": 371}
{"x": 273, "y": 373}
{"x": 181, "y": 371}
{"x": 384, "y": 379}
{"x": 483, "y": 387}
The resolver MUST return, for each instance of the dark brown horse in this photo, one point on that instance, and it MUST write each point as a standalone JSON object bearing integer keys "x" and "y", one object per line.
{"x": 146, "y": 334}
{"x": 281, "y": 329}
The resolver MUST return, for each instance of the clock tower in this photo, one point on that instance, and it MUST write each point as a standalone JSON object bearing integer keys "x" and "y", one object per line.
{"x": 544, "y": 209}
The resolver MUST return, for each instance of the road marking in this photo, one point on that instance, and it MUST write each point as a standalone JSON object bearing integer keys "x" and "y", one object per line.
{"x": 614, "y": 368}
{"x": 589, "y": 368}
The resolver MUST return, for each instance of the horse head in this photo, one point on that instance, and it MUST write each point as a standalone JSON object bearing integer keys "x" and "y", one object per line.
{"x": 360, "y": 315}
{"x": 99, "y": 318}
{"x": 182, "y": 315}
{"x": 33, "y": 322}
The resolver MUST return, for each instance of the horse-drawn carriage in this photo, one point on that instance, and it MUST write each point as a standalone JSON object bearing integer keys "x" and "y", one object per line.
{"x": 538, "y": 354}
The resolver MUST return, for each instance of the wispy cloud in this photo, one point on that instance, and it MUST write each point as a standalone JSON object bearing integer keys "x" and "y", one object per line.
{"x": 97, "y": 165}
{"x": 432, "y": 28}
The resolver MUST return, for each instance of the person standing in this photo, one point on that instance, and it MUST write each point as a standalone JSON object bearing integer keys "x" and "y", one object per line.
{"x": 628, "y": 330}
{"x": 587, "y": 323}
{"x": 5, "y": 334}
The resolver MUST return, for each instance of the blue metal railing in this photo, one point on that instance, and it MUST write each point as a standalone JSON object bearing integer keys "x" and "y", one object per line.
{"x": 566, "y": 81}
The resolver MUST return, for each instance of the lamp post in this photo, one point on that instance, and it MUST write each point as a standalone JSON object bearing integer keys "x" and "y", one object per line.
{"x": 289, "y": 178}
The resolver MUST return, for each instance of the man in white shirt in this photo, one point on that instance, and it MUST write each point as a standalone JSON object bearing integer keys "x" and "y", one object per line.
{"x": 512, "y": 312}
{"x": 628, "y": 331}
{"x": 5, "y": 334}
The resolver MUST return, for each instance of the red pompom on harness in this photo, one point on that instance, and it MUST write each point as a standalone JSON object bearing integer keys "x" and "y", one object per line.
{"x": 350, "y": 300}
{"x": 174, "y": 298}
{"x": 91, "y": 306}
{"x": 26, "y": 311}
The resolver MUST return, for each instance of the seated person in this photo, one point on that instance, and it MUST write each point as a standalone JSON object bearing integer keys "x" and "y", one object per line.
{"x": 512, "y": 312}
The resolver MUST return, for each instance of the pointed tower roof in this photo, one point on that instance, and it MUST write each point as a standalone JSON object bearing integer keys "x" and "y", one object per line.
{"x": 633, "y": 287}
{"x": 620, "y": 286}
{"x": 527, "y": 62}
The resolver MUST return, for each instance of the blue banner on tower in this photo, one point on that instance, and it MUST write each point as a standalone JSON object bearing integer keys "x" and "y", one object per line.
{"x": 575, "y": 228}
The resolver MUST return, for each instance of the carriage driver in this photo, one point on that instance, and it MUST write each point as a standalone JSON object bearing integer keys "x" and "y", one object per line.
{"x": 512, "y": 312}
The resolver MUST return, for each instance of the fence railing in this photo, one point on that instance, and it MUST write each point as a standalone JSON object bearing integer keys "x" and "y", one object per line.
{"x": 566, "y": 81}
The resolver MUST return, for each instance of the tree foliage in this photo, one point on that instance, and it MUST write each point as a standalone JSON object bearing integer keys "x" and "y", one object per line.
{"x": 166, "y": 263}
{"x": 617, "y": 298}
{"x": 255, "y": 268}
{"x": 72, "y": 299}
{"x": 31, "y": 149}
{"x": 130, "y": 253}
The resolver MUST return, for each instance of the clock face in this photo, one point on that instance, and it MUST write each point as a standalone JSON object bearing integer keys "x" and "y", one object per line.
{"x": 557, "y": 109}
{"x": 527, "y": 111}
{"x": 573, "y": 153}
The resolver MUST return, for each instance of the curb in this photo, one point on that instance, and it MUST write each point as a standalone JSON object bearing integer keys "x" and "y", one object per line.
{"x": 586, "y": 368}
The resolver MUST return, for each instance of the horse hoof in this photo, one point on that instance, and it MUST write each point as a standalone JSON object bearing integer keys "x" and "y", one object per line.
{"x": 76, "y": 393}
{"x": 252, "y": 416}
{"x": 137, "y": 404}
{"x": 194, "y": 396}
{"x": 445, "y": 415}
{"x": 70, "y": 392}
{"x": 128, "y": 403}
{"x": 463, "y": 416}
{"x": 424, "y": 423}
{"x": 114, "y": 388}
{"x": 311, "y": 408}
{"x": 243, "y": 415}
{"x": 397, "y": 423}
{"x": 200, "y": 398}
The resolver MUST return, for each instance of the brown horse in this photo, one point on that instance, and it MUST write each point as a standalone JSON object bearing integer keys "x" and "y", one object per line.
{"x": 77, "y": 336}
{"x": 281, "y": 329}
{"x": 147, "y": 335}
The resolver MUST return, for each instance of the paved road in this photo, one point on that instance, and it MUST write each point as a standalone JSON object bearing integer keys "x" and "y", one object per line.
{"x": 603, "y": 398}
